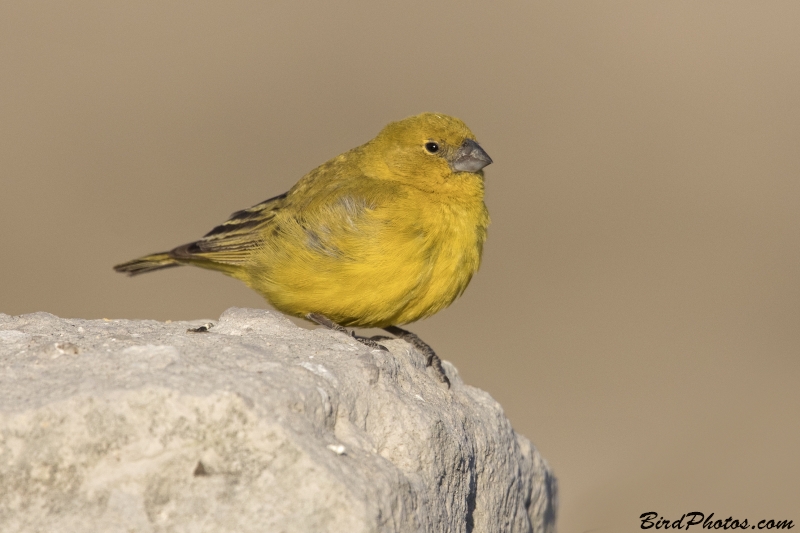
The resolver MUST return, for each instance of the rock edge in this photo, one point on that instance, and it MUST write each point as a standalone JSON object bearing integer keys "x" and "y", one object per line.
{"x": 256, "y": 425}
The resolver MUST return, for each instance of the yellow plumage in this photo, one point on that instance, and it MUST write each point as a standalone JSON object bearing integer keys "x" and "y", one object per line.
{"x": 384, "y": 234}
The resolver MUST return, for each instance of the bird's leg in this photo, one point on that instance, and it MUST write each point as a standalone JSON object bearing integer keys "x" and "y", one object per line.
{"x": 431, "y": 359}
{"x": 324, "y": 321}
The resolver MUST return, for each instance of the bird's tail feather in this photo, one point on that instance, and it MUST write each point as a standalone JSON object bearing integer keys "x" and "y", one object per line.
{"x": 147, "y": 263}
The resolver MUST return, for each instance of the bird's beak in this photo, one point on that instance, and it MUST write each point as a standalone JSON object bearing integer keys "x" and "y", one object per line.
{"x": 470, "y": 157}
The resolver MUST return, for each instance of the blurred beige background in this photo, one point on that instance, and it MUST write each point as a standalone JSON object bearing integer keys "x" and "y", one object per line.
{"x": 638, "y": 310}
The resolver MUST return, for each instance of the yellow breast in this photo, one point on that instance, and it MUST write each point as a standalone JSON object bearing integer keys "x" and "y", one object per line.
{"x": 392, "y": 262}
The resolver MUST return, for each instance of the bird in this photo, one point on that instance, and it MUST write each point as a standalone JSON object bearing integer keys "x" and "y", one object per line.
{"x": 383, "y": 235}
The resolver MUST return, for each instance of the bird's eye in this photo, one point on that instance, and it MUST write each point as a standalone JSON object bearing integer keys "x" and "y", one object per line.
{"x": 432, "y": 147}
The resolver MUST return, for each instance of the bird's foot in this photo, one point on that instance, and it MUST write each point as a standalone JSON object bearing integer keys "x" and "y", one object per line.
{"x": 201, "y": 329}
{"x": 326, "y": 322}
{"x": 431, "y": 359}
{"x": 369, "y": 342}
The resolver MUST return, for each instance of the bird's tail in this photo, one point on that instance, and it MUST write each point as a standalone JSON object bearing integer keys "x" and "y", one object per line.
{"x": 148, "y": 263}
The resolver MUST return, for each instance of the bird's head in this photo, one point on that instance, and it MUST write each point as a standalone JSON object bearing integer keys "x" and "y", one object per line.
{"x": 429, "y": 149}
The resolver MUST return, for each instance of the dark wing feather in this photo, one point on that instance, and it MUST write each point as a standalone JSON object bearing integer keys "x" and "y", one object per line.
{"x": 230, "y": 241}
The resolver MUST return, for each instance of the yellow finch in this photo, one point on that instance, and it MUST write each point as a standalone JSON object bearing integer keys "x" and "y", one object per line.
{"x": 385, "y": 234}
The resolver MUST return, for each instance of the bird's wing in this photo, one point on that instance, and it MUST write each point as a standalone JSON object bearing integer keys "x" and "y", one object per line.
{"x": 231, "y": 241}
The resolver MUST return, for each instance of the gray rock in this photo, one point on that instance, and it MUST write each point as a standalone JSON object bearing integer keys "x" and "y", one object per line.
{"x": 257, "y": 425}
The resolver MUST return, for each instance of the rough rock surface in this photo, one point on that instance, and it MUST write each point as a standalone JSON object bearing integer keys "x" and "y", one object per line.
{"x": 257, "y": 425}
